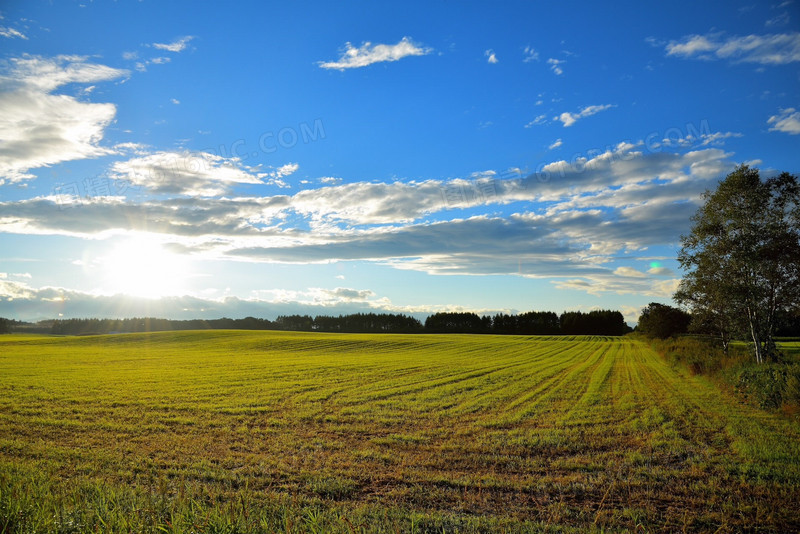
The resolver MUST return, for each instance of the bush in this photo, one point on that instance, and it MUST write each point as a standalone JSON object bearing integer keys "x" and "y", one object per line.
{"x": 792, "y": 393}
{"x": 700, "y": 355}
{"x": 764, "y": 384}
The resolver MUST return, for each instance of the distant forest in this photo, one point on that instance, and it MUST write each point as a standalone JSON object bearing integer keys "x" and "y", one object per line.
{"x": 600, "y": 322}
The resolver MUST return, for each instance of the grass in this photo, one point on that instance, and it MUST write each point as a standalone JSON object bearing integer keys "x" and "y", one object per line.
{"x": 231, "y": 431}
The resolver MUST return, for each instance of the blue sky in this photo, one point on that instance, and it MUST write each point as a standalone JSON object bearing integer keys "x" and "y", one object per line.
{"x": 204, "y": 160}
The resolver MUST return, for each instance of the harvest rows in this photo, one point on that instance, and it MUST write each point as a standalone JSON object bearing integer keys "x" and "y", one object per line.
{"x": 280, "y": 431}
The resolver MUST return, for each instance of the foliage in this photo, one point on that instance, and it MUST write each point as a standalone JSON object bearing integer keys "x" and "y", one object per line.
{"x": 529, "y": 323}
{"x": 235, "y": 431}
{"x": 662, "y": 321}
{"x": 769, "y": 386}
{"x": 742, "y": 257}
{"x": 603, "y": 322}
{"x": 369, "y": 323}
{"x": 596, "y": 322}
{"x": 699, "y": 354}
{"x": 457, "y": 323}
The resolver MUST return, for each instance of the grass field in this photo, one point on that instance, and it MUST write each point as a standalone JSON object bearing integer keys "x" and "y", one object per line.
{"x": 232, "y": 431}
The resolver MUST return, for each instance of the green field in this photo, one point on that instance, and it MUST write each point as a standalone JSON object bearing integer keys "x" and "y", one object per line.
{"x": 232, "y": 431}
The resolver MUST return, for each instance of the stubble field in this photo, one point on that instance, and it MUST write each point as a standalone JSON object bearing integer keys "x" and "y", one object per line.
{"x": 232, "y": 431}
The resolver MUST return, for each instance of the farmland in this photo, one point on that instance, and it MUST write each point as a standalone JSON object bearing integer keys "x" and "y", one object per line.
{"x": 231, "y": 431}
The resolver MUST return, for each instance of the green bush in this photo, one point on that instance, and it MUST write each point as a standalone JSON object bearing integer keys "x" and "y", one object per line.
{"x": 764, "y": 384}
{"x": 792, "y": 393}
{"x": 699, "y": 355}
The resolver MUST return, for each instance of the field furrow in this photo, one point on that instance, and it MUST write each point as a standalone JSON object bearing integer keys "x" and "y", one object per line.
{"x": 260, "y": 431}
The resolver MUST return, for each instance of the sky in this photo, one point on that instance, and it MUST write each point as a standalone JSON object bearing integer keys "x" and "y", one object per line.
{"x": 200, "y": 160}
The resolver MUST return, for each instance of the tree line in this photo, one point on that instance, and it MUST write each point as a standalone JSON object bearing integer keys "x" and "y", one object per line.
{"x": 599, "y": 322}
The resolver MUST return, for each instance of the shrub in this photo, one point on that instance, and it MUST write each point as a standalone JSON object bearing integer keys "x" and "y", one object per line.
{"x": 792, "y": 393}
{"x": 764, "y": 384}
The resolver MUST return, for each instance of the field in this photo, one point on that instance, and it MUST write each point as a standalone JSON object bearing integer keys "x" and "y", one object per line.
{"x": 232, "y": 431}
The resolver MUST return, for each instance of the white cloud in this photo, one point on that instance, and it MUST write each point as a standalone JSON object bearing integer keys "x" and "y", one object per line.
{"x": 787, "y": 121}
{"x": 666, "y": 288}
{"x": 38, "y": 128}
{"x": 601, "y": 284}
{"x": 47, "y": 74}
{"x": 621, "y": 201}
{"x": 779, "y": 20}
{"x": 555, "y": 66}
{"x": 286, "y": 170}
{"x": 131, "y": 148}
{"x": 629, "y": 272}
{"x": 185, "y": 173}
{"x": 491, "y": 55}
{"x": 772, "y": 49}
{"x": 541, "y": 119}
{"x": 367, "y": 54}
{"x": 660, "y": 271}
{"x": 141, "y": 66}
{"x": 175, "y": 101}
{"x": 11, "y": 33}
{"x": 530, "y": 55}
{"x": 571, "y": 118}
{"x": 716, "y": 138}
{"x": 276, "y": 176}
{"x": 557, "y": 143}
{"x": 705, "y": 139}
{"x": 175, "y": 46}
{"x": 22, "y": 301}
{"x": 694, "y": 45}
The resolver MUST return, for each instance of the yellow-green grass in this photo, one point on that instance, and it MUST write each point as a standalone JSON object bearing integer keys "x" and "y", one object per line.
{"x": 230, "y": 431}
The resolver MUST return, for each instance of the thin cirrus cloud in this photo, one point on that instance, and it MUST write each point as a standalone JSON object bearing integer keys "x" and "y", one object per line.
{"x": 787, "y": 121}
{"x": 540, "y": 119}
{"x": 40, "y": 128}
{"x": 571, "y": 118}
{"x": 367, "y": 54}
{"x": 12, "y": 33}
{"x": 772, "y": 49}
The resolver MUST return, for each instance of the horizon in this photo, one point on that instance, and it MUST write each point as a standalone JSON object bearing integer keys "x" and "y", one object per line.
{"x": 160, "y": 160}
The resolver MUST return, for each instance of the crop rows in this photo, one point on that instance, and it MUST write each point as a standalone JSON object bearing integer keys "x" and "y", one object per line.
{"x": 280, "y": 431}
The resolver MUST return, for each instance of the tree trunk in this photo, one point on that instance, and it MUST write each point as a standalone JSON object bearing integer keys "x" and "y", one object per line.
{"x": 752, "y": 318}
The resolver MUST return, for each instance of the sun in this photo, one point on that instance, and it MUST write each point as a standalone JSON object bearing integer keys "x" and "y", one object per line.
{"x": 144, "y": 268}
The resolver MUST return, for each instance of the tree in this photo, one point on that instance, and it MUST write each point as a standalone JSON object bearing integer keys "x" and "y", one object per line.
{"x": 662, "y": 321}
{"x": 456, "y": 323}
{"x": 594, "y": 323}
{"x": 742, "y": 256}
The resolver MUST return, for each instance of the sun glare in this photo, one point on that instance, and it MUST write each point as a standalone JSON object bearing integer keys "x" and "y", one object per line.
{"x": 143, "y": 268}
